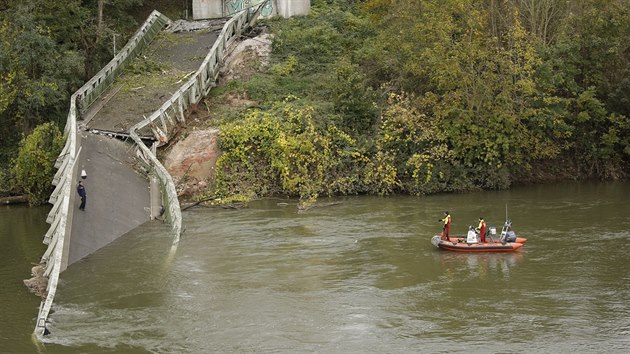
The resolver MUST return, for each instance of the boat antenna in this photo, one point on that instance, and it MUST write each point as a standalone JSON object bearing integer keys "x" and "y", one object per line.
{"x": 506, "y": 212}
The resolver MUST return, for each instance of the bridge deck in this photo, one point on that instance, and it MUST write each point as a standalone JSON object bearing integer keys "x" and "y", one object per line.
{"x": 118, "y": 194}
{"x": 150, "y": 80}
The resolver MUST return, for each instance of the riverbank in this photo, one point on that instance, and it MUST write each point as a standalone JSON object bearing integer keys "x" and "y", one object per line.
{"x": 192, "y": 157}
{"x": 16, "y": 199}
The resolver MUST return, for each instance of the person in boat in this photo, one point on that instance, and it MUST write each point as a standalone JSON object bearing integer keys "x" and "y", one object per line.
{"x": 482, "y": 229}
{"x": 471, "y": 237}
{"x": 446, "y": 231}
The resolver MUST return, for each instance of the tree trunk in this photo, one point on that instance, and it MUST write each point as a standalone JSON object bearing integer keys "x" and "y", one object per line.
{"x": 99, "y": 21}
{"x": 18, "y": 199}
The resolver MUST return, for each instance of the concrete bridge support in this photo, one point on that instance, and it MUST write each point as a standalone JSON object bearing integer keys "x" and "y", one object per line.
{"x": 290, "y": 8}
{"x": 205, "y": 9}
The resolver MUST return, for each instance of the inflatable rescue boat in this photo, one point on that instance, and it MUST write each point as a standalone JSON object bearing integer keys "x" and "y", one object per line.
{"x": 455, "y": 245}
{"x": 507, "y": 242}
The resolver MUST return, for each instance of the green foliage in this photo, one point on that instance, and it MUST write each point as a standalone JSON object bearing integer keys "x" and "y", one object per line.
{"x": 5, "y": 185}
{"x": 431, "y": 96}
{"x": 475, "y": 90}
{"x": 596, "y": 43}
{"x": 412, "y": 37}
{"x": 352, "y": 98}
{"x": 30, "y": 61}
{"x": 244, "y": 167}
{"x": 283, "y": 80}
{"x": 36, "y": 79}
{"x": 501, "y": 99}
{"x": 316, "y": 45}
{"x": 308, "y": 61}
{"x": 143, "y": 65}
{"x": 414, "y": 142}
{"x": 586, "y": 73}
{"x": 380, "y": 175}
{"x": 599, "y": 139}
{"x": 285, "y": 68}
{"x": 321, "y": 38}
{"x": 47, "y": 50}
{"x": 33, "y": 168}
{"x": 282, "y": 151}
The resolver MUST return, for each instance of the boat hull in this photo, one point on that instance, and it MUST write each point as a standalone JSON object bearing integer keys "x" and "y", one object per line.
{"x": 490, "y": 240}
{"x": 457, "y": 246}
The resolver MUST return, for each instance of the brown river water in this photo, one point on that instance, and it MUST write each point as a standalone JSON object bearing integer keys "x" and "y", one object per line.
{"x": 359, "y": 276}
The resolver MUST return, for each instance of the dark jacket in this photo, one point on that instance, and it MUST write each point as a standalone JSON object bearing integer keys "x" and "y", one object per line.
{"x": 81, "y": 190}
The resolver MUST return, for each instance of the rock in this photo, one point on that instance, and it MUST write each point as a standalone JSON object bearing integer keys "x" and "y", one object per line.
{"x": 249, "y": 57}
{"x": 192, "y": 161}
{"x": 38, "y": 283}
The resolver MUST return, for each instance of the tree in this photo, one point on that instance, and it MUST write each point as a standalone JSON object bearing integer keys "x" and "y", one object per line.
{"x": 352, "y": 98}
{"x": 105, "y": 20}
{"x": 543, "y": 19}
{"x": 47, "y": 50}
{"x": 413, "y": 144}
{"x": 588, "y": 69}
{"x": 33, "y": 169}
{"x": 36, "y": 78}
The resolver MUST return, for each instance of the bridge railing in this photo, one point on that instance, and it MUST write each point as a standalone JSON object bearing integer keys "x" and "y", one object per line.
{"x": 61, "y": 198}
{"x": 164, "y": 121}
{"x": 101, "y": 82}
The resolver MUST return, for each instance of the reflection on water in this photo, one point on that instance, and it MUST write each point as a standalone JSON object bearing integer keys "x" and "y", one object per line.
{"x": 479, "y": 264}
{"x": 361, "y": 276}
{"x": 21, "y": 232}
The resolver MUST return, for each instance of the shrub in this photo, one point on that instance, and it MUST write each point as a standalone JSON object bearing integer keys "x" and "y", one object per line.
{"x": 282, "y": 151}
{"x": 33, "y": 168}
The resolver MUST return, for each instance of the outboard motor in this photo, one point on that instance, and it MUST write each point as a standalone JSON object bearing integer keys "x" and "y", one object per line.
{"x": 510, "y": 236}
{"x": 506, "y": 229}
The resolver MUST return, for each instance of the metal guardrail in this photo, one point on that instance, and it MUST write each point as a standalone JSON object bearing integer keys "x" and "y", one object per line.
{"x": 63, "y": 180}
{"x": 163, "y": 121}
{"x": 98, "y": 84}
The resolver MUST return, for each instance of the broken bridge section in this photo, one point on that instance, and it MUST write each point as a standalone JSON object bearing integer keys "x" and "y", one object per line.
{"x": 151, "y": 79}
{"x": 134, "y": 101}
{"x": 119, "y": 196}
{"x": 121, "y": 186}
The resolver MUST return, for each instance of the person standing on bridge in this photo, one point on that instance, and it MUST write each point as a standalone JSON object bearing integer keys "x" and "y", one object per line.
{"x": 81, "y": 191}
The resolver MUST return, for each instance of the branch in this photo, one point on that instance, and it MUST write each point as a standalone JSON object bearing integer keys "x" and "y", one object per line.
{"x": 198, "y": 202}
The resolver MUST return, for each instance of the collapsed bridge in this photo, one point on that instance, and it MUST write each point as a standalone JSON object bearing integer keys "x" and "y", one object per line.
{"x": 115, "y": 123}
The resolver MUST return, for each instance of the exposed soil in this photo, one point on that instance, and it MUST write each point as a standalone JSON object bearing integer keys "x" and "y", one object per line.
{"x": 192, "y": 154}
